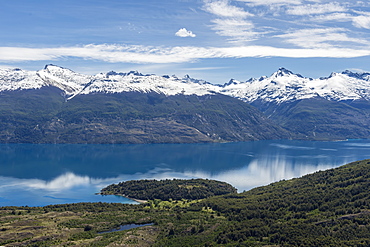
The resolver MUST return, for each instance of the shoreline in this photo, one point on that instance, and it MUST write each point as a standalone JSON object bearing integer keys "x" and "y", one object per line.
{"x": 133, "y": 199}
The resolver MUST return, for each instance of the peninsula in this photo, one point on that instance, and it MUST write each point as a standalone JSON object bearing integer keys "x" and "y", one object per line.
{"x": 175, "y": 189}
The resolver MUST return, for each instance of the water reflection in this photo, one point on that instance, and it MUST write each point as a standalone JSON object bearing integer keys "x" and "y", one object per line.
{"x": 70, "y": 187}
{"x": 37, "y": 175}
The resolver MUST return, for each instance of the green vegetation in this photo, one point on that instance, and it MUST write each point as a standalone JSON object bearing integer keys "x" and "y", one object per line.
{"x": 165, "y": 190}
{"x": 327, "y": 208}
{"x": 43, "y": 116}
{"x": 321, "y": 119}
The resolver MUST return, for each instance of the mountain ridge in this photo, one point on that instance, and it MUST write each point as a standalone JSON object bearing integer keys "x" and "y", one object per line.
{"x": 282, "y": 86}
{"x": 58, "y": 105}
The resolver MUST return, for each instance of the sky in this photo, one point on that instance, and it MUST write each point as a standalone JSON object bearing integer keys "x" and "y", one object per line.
{"x": 214, "y": 40}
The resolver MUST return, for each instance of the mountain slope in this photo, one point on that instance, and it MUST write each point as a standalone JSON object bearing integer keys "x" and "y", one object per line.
{"x": 136, "y": 108}
{"x": 327, "y": 208}
{"x": 43, "y": 116}
{"x": 332, "y": 108}
{"x": 322, "y": 119}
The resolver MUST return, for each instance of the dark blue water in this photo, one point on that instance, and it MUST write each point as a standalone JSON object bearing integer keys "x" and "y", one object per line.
{"x": 126, "y": 227}
{"x": 42, "y": 174}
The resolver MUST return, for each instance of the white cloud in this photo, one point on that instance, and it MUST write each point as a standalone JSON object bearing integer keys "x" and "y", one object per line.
{"x": 321, "y": 38}
{"x": 160, "y": 55}
{"x": 268, "y": 51}
{"x": 338, "y": 17}
{"x": 183, "y": 32}
{"x": 231, "y": 21}
{"x": 222, "y": 8}
{"x": 270, "y": 2}
{"x": 309, "y": 9}
{"x": 24, "y": 54}
{"x": 237, "y": 30}
{"x": 362, "y": 21}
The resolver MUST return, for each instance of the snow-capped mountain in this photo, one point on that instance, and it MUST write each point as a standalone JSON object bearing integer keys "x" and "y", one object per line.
{"x": 284, "y": 86}
{"x": 74, "y": 83}
{"x": 17, "y": 79}
{"x": 135, "y": 108}
{"x": 281, "y": 86}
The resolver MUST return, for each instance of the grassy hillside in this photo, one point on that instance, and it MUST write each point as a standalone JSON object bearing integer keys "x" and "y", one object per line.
{"x": 327, "y": 208}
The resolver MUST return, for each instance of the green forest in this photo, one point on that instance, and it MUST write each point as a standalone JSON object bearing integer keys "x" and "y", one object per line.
{"x": 165, "y": 190}
{"x": 327, "y": 208}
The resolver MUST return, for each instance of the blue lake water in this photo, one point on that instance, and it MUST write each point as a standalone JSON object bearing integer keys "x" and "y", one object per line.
{"x": 43, "y": 174}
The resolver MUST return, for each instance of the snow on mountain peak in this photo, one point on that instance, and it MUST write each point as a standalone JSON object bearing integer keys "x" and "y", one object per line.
{"x": 17, "y": 79}
{"x": 284, "y": 85}
{"x": 361, "y": 76}
{"x": 282, "y": 72}
{"x": 113, "y": 82}
{"x": 70, "y": 82}
{"x": 281, "y": 86}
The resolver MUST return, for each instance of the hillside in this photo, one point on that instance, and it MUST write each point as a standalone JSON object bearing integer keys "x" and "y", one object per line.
{"x": 321, "y": 119}
{"x": 44, "y": 116}
{"x": 57, "y": 105}
{"x": 327, "y": 208}
{"x": 328, "y": 108}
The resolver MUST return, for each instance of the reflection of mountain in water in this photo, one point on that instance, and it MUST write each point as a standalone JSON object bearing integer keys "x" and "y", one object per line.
{"x": 58, "y": 171}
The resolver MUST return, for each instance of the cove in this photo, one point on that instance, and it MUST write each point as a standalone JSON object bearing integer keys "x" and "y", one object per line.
{"x": 44, "y": 174}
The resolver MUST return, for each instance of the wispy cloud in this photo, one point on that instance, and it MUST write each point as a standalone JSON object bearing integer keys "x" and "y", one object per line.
{"x": 317, "y": 47}
{"x": 204, "y": 68}
{"x": 309, "y": 9}
{"x": 359, "y": 20}
{"x": 183, "y": 32}
{"x": 231, "y": 21}
{"x": 238, "y": 30}
{"x": 222, "y": 8}
{"x": 321, "y": 38}
{"x": 362, "y": 21}
{"x": 338, "y": 17}
{"x": 270, "y": 2}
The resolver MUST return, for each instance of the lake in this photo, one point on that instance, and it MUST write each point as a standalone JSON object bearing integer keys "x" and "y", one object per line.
{"x": 43, "y": 174}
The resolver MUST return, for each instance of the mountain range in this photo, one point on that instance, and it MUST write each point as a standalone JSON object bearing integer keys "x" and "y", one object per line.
{"x": 57, "y": 105}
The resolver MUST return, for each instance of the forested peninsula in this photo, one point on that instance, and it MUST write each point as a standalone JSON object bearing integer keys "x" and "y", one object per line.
{"x": 176, "y": 189}
{"x": 326, "y": 208}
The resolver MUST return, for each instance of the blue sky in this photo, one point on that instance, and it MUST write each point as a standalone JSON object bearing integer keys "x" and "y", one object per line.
{"x": 214, "y": 40}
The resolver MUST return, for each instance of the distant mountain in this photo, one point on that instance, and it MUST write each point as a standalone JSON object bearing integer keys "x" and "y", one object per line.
{"x": 73, "y": 84}
{"x": 285, "y": 86}
{"x": 281, "y": 87}
{"x": 58, "y": 105}
{"x": 331, "y": 108}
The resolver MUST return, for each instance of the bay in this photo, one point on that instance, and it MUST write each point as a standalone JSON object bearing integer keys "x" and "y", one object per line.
{"x": 44, "y": 174}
